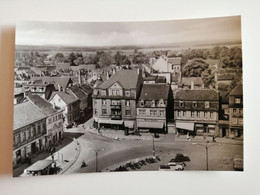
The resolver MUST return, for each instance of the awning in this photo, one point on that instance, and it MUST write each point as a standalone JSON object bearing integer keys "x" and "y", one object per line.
{"x": 185, "y": 125}
{"x": 115, "y": 122}
{"x": 129, "y": 124}
{"x": 150, "y": 124}
{"x": 40, "y": 165}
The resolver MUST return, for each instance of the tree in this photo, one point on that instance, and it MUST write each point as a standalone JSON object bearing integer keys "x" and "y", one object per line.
{"x": 105, "y": 60}
{"x": 59, "y": 57}
{"x": 71, "y": 59}
{"x": 195, "y": 68}
{"x": 119, "y": 58}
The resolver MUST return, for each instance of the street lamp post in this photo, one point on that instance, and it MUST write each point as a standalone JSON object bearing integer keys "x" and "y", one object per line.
{"x": 153, "y": 147}
{"x": 207, "y": 152}
{"x": 96, "y": 152}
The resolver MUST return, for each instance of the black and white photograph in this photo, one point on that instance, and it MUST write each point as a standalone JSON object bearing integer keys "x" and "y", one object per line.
{"x": 128, "y": 96}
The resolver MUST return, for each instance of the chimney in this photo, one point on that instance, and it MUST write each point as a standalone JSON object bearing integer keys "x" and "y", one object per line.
{"x": 138, "y": 71}
{"x": 59, "y": 88}
{"x": 192, "y": 84}
{"x": 107, "y": 75}
{"x": 53, "y": 105}
{"x": 114, "y": 71}
{"x": 79, "y": 78}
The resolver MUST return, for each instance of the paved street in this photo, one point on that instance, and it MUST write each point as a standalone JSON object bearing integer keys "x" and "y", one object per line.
{"x": 116, "y": 152}
{"x": 119, "y": 149}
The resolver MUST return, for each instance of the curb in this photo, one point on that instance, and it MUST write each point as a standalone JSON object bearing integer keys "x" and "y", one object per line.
{"x": 73, "y": 161}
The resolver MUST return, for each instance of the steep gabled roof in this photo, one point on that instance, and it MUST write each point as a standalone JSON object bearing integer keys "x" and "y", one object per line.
{"x": 238, "y": 90}
{"x": 175, "y": 60}
{"x": 197, "y": 94}
{"x": 67, "y": 97}
{"x": 26, "y": 113}
{"x": 77, "y": 91}
{"x": 127, "y": 78}
{"x": 187, "y": 81}
{"x": 154, "y": 92}
{"x": 42, "y": 104}
{"x": 62, "y": 81}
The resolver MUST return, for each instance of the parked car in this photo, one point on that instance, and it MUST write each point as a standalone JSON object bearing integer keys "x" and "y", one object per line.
{"x": 238, "y": 163}
{"x": 176, "y": 167}
{"x": 164, "y": 168}
{"x": 181, "y": 158}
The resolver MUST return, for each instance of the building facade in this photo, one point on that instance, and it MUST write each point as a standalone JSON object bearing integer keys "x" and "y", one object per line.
{"x": 236, "y": 112}
{"x": 152, "y": 108}
{"x": 54, "y": 120}
{"x": 30, "y": 135}
{"x": 196, "y": 111}
{"x": 114, "y": 101}
{"x": 70, "y": 105}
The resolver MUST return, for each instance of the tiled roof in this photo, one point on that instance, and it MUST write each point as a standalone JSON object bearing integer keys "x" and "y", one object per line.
{"x": 86, "y": 89}
{"x": 62, "y": 81}
{"x": 67, "y": 97}
{"x": 77, "y": 91}
{"x": 187, "y": 81}
{"x": 154, "y": 92}
{"x": 42, "y": 104}
{"x": 26, "y": 113}
{"x": 175, "y": 60}
{"x": 238, "y": 90}
{"x": 127, "y": 78}
{"x": 197, "y": 94}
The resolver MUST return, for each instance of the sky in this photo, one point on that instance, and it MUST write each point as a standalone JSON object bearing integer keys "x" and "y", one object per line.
{"x": 98, "y": 34}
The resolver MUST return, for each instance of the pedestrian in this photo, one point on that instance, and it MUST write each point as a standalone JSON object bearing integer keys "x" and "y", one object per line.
{"x": 188, "y": 136}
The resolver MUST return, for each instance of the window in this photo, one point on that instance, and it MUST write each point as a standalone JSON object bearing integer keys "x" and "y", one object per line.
{"x": 95, "y": 102}
{"x": 237, "y": 100}
{"x": 184, "y": 113}
{"x": 205, "y": 114}
{"x": 179, "y": 113}
{"x": 103, "y": 92}
{"x": 117, "y": 92}
{"x": 104, "y": 111}
{"x": 127, "y": 102}
{"x": 234, "y": 110}
{"x": 194, "y": 104}
{"x": 104, "y": 102}
{"x": 142, "y": 103}
{"x": 240, "y": 121}
{"x": 141, "y": 112}
{"x": 211, "y": 114}
{"x": 162, "y": 113}
{"x": 49, "y": 121}
{"x": 241, "y": 111}
{"x": 95, "y": 111}
{"x": 127, "y": 93}
{"x": 181, "y": 104}
{"x": 153, "y": 112}
{"x": 192, "y": 114}
{"x": 113, "y": 92}
{"x": 127, "y": 112}
{"x": 234, "y": 121}
{"x": 198, "y": 114}
{"x": 206, "y": 104}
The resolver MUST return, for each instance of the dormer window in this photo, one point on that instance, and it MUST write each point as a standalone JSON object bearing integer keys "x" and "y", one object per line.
{"x": 161, "y": 102}
{"x": 142, "y": 103}
{"x": 206, "y": 104}
{"x": 181, "y": 104}
{"x": 153, "y": 103}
